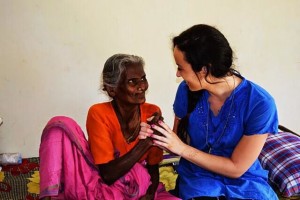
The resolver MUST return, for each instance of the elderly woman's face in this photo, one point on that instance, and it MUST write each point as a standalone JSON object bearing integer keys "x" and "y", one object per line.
{"x": 133, "y": 85}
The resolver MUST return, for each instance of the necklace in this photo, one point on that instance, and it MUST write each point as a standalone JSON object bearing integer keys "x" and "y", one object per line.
{"x": 211, "y": 146}
{"x": 134, "y": 134}
{"x": 132, "y": 137}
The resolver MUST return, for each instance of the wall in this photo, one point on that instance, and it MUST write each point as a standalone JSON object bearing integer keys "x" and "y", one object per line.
{"x": 52, "y": 53}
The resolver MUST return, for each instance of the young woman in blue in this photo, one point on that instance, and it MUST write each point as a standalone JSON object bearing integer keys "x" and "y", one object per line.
{"x": 227, "y": 120}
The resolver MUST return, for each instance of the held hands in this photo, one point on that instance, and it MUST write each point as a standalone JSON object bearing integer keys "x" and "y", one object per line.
{"x": 162, "y": 136}
{"x": 156, "y": 117}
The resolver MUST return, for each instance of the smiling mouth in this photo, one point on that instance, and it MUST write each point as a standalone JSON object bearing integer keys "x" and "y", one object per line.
{"x": 140, "y": 95}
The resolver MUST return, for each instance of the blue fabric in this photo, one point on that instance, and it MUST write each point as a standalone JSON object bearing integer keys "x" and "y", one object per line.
{"x": 249, "y": 110}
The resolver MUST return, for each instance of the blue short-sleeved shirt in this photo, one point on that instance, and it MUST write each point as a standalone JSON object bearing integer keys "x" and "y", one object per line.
{"x": 249, "y": 110}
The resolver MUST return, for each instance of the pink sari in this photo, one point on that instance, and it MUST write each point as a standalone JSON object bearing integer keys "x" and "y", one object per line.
{"x": 67, "y": 169}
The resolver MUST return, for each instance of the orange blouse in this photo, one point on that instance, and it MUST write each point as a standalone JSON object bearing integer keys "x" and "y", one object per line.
{"x": 105, "y": 136}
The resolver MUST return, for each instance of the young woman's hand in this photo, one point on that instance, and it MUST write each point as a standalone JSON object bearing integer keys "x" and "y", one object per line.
{"x": 169, "y": 140}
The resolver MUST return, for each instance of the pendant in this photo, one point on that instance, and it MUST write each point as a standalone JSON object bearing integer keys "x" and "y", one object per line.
{"x": 209, "y": 150}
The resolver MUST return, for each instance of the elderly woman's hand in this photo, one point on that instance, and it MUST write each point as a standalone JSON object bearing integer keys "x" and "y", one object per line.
{"x": 145, "y": 131}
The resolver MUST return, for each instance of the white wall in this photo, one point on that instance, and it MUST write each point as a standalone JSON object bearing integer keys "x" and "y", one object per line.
{"x": 52, "y": 53}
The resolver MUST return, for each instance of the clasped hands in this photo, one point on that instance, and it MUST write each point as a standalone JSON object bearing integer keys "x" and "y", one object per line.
{"x": 161, "y": 135}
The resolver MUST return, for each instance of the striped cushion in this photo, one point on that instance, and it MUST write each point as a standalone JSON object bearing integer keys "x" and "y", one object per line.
{"x": 281, "y": 156}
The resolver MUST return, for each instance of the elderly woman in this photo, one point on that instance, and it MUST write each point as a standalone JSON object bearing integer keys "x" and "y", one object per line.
{"x": 119, "y": 166}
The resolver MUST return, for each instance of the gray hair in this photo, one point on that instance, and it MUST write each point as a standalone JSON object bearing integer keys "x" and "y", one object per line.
{"x": 115, "y": 66}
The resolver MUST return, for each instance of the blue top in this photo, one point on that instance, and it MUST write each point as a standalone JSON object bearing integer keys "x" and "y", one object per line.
{"x": 249, "y": 110}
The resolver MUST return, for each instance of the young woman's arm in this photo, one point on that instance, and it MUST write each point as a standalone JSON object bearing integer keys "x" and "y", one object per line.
{"x": 243, "y": 156}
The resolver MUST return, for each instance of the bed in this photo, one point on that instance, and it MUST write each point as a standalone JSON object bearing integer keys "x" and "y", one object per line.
{"x": 280, "y": 155}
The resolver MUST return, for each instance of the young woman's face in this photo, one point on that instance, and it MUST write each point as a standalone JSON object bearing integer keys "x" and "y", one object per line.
{"x": 133, "y": 85}
{"x": 184, "y": 70}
